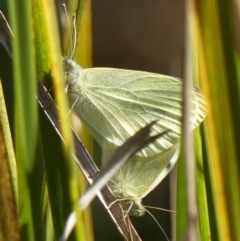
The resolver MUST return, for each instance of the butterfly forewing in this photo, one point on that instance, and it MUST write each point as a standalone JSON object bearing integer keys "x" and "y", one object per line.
{"x": 116, "y": 103}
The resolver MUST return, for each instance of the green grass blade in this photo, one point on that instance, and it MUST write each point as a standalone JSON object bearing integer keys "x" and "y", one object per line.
{"x": 219, "y": 78}
{"x": 25, "y": 108}
{"x": 8, "y": 181}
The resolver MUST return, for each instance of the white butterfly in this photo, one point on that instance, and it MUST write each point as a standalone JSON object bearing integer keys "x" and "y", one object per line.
{"x": 115, "y": 104}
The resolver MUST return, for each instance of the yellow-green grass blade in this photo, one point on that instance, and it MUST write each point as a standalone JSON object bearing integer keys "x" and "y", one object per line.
{"x": 185, "y": 219}
{"x": 8, "y": 181}
{"x": 83, "y": 56}
{"x": 218, "y": 72}
{"x": 61, "y": 170}
{"x": 203, "y": 215}
{"x": 181, "y": 209}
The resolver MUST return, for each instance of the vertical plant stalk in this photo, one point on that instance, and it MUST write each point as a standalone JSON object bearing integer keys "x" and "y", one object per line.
{"x": 192, "y": 229}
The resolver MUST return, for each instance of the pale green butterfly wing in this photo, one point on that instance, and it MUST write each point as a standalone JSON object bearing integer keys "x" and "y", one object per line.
{"x": 115, "y": 103}
{"x": 139, "y": 176}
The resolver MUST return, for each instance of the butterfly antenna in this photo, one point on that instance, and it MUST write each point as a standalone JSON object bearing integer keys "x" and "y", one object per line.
{"x": 162, "y": 209}
{"x": 158, "y": 224}
{"x": 68, "y": 26}
{"x": 74, "y": 40}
